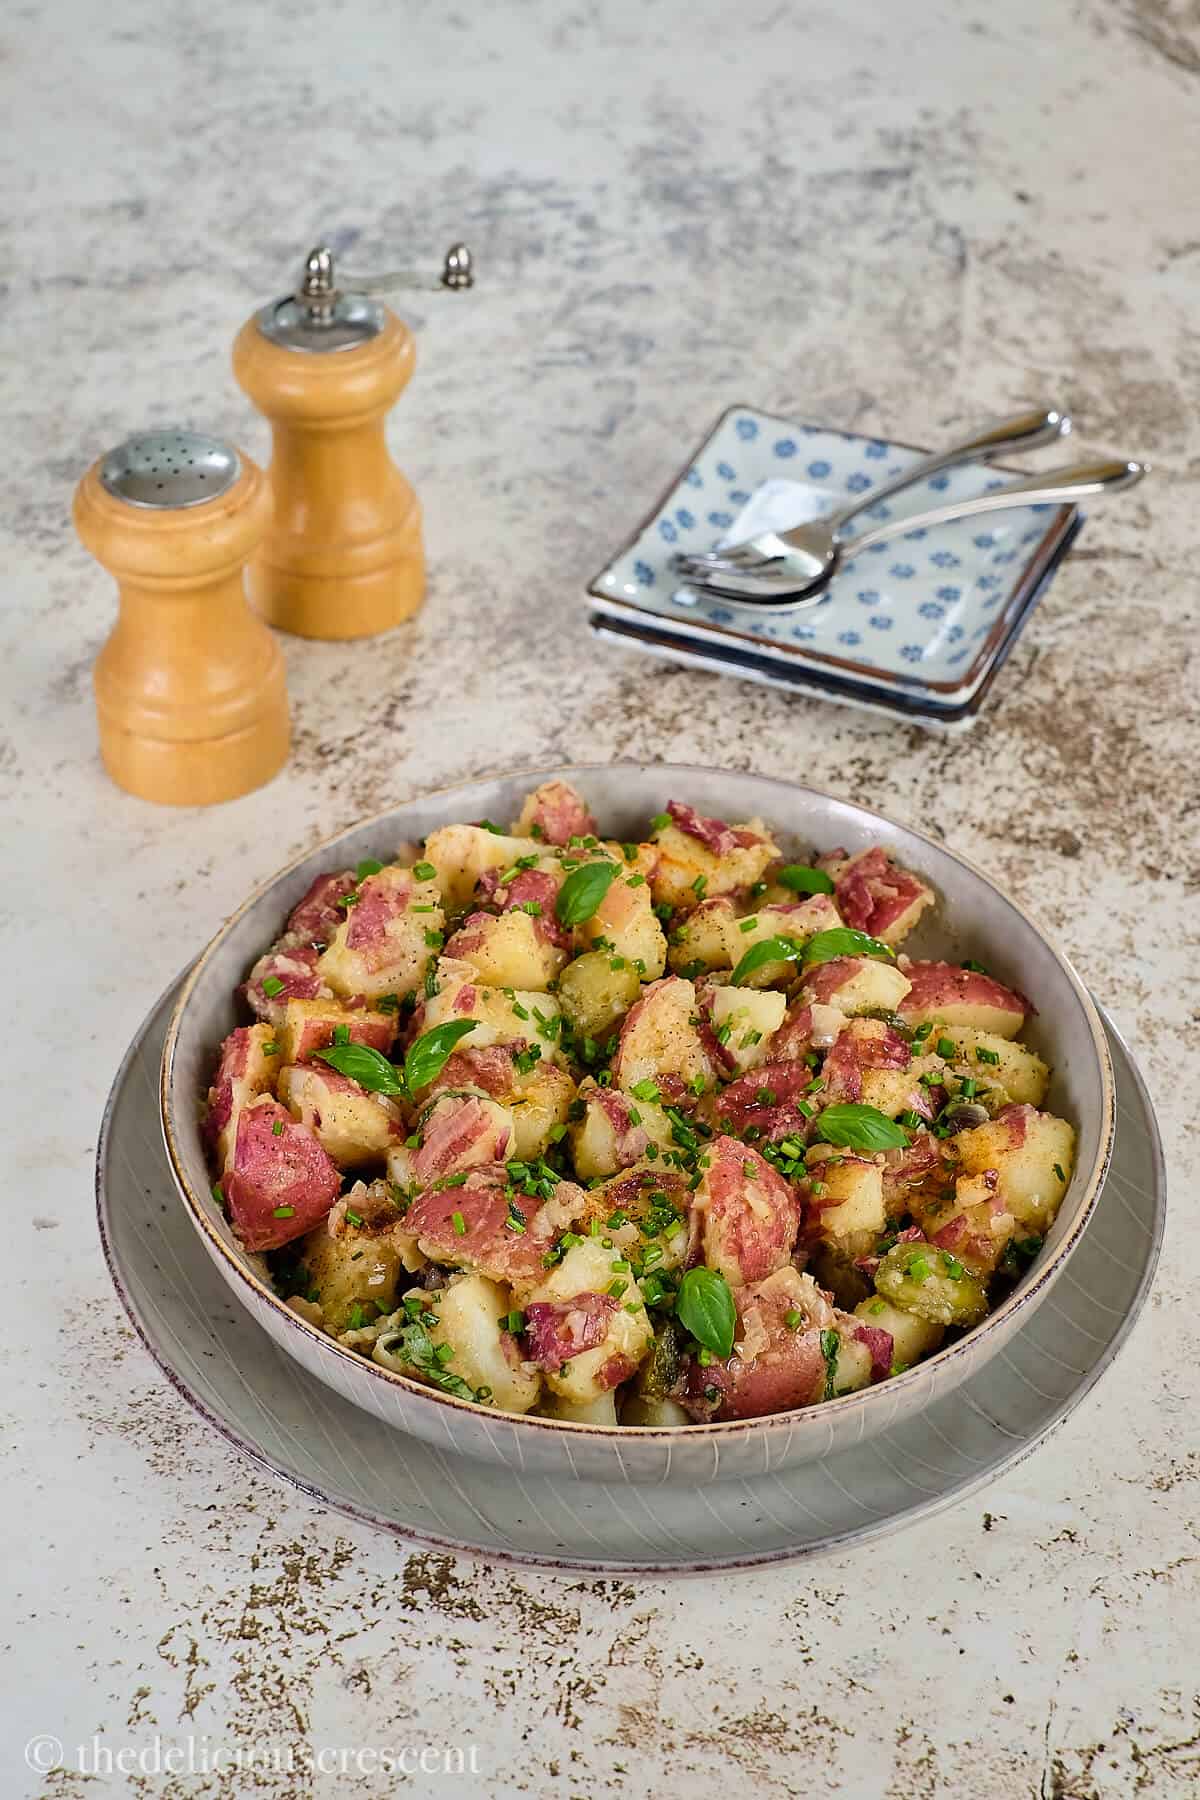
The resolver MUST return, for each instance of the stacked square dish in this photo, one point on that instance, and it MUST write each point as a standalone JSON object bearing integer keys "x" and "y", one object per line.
{"x": 917, "y": 626}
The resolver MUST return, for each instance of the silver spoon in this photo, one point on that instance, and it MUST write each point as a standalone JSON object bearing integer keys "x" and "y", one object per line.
{"x": 794, "y": 567}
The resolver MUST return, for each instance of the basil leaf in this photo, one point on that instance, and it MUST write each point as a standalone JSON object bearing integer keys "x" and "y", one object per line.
{"x": 857, "y": 1127}
{"x": 428, "y": 1056}
{"x": 583, "y": 890}
{"x": 370, "y": 1068}
{"x": 704, "y": 1306}
{"x": 843, "y": 940}
{"x": 802, "y": 879}
{"x": 769, "y": 950}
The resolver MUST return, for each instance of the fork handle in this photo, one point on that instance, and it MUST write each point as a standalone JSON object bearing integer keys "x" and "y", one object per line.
{"x": 1024, "y": 431}
{"x": 1075, "y": 483}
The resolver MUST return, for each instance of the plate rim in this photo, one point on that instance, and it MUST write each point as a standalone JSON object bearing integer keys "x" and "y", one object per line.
{"x": 558, "y": 1564}
{"x": 1044, "y": 560}
{"x": 711, "y": 1430}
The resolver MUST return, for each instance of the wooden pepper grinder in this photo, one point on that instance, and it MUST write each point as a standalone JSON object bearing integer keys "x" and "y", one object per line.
{"x": 344, "y": 556}
{"x": 190, "y": 689}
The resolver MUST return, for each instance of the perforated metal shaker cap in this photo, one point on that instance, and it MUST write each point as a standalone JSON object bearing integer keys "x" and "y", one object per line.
{"x": 170, "y": 469}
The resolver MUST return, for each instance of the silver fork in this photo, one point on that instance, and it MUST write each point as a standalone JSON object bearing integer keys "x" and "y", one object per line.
{"x": 795, "y": 573}
{"x": 1024, "y": 431}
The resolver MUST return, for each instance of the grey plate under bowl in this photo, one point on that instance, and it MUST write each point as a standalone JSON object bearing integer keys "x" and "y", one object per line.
{"x": 273, "y": 1412}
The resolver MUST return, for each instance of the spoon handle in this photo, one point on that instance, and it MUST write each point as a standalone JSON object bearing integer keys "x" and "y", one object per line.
{"x": 1024, "y": 431}
{"x": 1057, "y": 485}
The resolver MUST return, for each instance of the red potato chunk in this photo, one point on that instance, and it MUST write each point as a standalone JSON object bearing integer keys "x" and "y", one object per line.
{"x": 911, "y": 1337}
{"x": 467, "y": 1322}
{"x": 766, "y": 1102}
{"x": 1033, "y": 1154}
{"x": 615, "y": 1131}
{"x": 248, "y": 1064}
{"x": 456, "y": 1132}
{"x": 706, "y": 939}
{"x": 743, "y": 1022}
{"x": 875, "y": 895}
{"x": 863, "y": 1047}
{"x": 482, "y": 1223}
{"x": 554, "y": 813}
{"x": 352, "y": 1264}
{"x": 557, "y": 1330}
{"x": 624, "y": 923}
{"x": 775, "y": 1365}
{"x": 525, "y": 1019}
{"x": 311, "y": 1025}
{"x": 568, "y": 1313}
{"x": 351, "y": 1125}
{"x": 844, "y": 1203}
{"x": 533, "y": 892}
{"x": 463, "y": 854}
{"x": 507, "y": 950}
{"x": 282, "y": 1182}
{"x": 318, "y": 915}
{"x": 943, "y": 992}
{"x": 855, "y": 984}
{"x": 383, "y": 944}
{"x": 660, "y": 1042}
{"x": 1019, "y": 1074}
{"x": 646, "y": 1211}
{"x": 288, "y": 974}
{"x": 916, "y": 1175}
{"x": 749, "y": 1214}
{"x": 794, "y": 1039}
{"x": 697, "y": 857}
{"x": 975, "y": 1226}
{"x": 538, "y": 1100}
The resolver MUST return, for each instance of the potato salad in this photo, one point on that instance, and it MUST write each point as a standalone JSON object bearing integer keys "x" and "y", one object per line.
{"x": 650, "y": 1134}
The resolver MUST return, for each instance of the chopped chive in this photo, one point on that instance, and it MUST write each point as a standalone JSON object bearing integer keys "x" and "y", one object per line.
{"x": 424, "y": 871}
{"x": 459, "y": 1224}
{"x": 945, "y": 1046}
{"x": 283, "y": 1212}
{"x": 271, "y": 985}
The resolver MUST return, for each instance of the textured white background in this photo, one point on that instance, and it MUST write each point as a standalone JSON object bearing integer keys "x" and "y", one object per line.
{"x": 893, "y": 216}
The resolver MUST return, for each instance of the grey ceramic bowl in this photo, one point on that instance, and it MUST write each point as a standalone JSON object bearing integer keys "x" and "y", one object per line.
{"x": 973, "y": 919}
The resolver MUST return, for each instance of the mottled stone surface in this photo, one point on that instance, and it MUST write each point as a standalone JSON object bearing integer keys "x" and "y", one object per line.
{"x": 898, "y": 218}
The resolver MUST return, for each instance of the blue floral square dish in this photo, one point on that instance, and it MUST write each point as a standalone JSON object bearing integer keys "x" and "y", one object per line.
{"x": 917, "y": 625}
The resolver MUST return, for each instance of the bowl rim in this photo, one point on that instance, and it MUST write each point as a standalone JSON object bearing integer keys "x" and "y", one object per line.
{"x": 716, "y": 1430}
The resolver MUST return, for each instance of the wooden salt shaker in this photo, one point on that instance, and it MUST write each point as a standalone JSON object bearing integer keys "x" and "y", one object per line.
{"x": 190, "y": 690}
{"x": 344, "y": 557}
